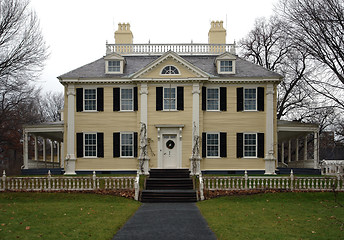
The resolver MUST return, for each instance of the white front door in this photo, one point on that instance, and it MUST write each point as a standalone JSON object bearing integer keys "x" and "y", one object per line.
{"x": 169, "y": 147}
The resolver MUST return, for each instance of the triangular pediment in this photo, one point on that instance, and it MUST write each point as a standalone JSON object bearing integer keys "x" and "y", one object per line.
{"x": 114, "y": 56}
{"x": 185, "y": 68}
{"x": 226, "y": 56}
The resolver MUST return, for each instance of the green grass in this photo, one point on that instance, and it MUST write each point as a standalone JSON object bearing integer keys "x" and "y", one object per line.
{"x": 62, "y": 215}
{"x": 276, "y": 216}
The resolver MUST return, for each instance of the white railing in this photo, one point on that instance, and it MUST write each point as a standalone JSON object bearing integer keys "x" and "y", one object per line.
{"x": 158, "y": 49}
{"x": 290, "y": 183}
{"x": 64, "y": 183}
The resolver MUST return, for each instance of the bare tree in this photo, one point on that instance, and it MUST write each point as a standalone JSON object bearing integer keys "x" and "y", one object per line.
{"x": 317, "y": 26}
{"x": 50, "y": 105}
{"x": 268, "y": 45}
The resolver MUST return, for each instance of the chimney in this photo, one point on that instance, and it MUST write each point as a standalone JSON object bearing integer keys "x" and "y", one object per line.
{"x": 123, "y": 35}
{"x": 217, "y": 34}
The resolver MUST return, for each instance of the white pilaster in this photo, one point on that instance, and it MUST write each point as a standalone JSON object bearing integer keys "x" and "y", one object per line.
{"x": 144, "y": 158}
{"x": 270, "y": 161}
{"x": 70, "y": 156}
{"x": 316, "y": 150}
{"x": 195, "y": 156}
{"x": 26, "y": 151}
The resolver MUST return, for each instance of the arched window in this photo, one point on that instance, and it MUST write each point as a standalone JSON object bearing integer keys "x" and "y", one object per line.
{"x": 170, "y": 70}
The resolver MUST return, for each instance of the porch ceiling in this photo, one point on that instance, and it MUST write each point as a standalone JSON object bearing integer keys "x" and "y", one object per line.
{"x": 291, "y": 129}
{"x": 53, "y": 130}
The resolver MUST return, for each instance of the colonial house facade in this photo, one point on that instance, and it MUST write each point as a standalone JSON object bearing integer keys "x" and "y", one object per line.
{"x": 142, "y": 106}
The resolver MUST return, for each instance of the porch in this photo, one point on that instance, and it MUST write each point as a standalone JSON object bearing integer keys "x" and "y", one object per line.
{"x": 43, "y": 146}
{"x": 298, "y": 145}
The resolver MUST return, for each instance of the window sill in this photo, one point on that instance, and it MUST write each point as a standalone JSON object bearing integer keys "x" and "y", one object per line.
{"x": 172, "y": 110}
{"x": 90, "y": 111}
{"x": 213, "y": 157}
{"x": 127, "y": 157}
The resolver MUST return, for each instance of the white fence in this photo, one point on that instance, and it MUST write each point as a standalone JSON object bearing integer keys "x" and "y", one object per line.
{"x": 288, "y": 183}
{"x": 49, "y": 183}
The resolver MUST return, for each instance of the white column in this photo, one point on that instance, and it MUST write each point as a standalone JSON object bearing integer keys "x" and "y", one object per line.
{"x": 70, "y": 156}
{"x": 316, "y": 149}
{"x": 195, "y": 166}
{"x": 305, "y": 158}
{"x": 51, "y": 151}
{"x": 289, "y": 151}
{"x": 143, "y": 158}
{"x": 270, "y": 161}
{"x": 297, "y": 150}
{"x": 282, "y": 152}
{"x": 36, "y": 148}
{"x": 44, "y": 151}
{"x": 58, "y": 153}
{"x": 62, "y": 156}
{"x": 26, "y": 150}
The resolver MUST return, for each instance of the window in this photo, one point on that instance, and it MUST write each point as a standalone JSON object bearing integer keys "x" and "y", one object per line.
{"x": 126, "y": 99}
{"x": 127, "y": 145}
{"x": 90, "y": 145}
{"x": 169, "y": 70}
{"x": 212, "y": 144}
{"x": 212, "y": 99}
{"x": 170, "y": 98}
{"x": 226, "y": 66}
{"x": 90, "y": 100}
{"x": 250, "y": 99}
{"x": 250, "y": 145}
{"x": 114, "y": 66}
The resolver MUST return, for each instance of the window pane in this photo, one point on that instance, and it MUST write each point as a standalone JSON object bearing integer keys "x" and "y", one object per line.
{"x": 114, "y": 66}
{"x": 127, "y": 144}
{"x": 169, "y": 98}
{"x": 90, "y": 99}
{"x": 226, "y": 66}
{"x": 250, "y": 145}
{"x": 90, "y": 145}
{"x": 170, "y": 70}
{"x": 250, "y": 99}
{"x": 126, "y": 99}
{"x": 212, "y": 99}
{"x": 213, "y": 145}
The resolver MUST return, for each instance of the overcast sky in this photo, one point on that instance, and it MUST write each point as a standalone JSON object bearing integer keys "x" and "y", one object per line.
{"x": 76, "y": 30}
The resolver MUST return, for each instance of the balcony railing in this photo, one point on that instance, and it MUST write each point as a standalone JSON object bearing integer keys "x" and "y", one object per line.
{"x": 158, "y": 49}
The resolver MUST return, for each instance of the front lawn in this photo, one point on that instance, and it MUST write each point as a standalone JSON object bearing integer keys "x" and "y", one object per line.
{"x": 62, "y": 215}
{"x": 276, "y": 216}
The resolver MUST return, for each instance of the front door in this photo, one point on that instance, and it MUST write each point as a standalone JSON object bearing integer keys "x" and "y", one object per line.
{"x": 170, "y": 151}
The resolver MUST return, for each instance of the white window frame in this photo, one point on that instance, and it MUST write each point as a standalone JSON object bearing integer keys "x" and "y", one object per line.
{"x": 244, "y": 155}
{"x": 218, "y": 144}
{"x": 169, "y": 74}
{"x": 84, "y": 100}
{"x": 112, "y": 71}
{"x": 250, "y": 110}
{"x": 218, "y": 99}
{"x": 163, "y": 99}
{"x": 84, "y": 143}
{"x": 132, "y": 145}
{"x": 225, "y": 60}
{"x": 132, "y": 99}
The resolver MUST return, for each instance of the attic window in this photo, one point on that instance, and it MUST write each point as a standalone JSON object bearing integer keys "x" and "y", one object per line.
{"x": 169, "y": 70}
{"x": 226, "y": 66}
{"x": 114, "y": 66}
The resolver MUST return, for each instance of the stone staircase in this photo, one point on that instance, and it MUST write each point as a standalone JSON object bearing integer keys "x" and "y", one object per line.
{"x": 169, "y": 185}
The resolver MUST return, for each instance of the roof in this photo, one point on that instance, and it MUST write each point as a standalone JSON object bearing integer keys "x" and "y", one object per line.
{"x": 96, "y": 69}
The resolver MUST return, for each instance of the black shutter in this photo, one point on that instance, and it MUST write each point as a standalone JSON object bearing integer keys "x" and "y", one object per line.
{"x": 135, "y": 99}
{"x": 79, "y": 99}
{"x": 223, "y": 144}
{"x": 116, "y": 99}
{"x": 79, "y": 145}
{"x": 100, "y": 145}
{"x": 260, "y": 99}
{"x": 159, "y": 94}
{"x": 135, "y": 144}
{"x": 223, "y": 99}
{"x": 240, "y": 150}
{"x": 204, "y": 145}
{"x": 180, "y": 98}
{"x": 240, "y": 99}
{"x": 204, "y": 98}
{"x": 261, "y": 145}
{"x": 116, "y": 144}
{"x": 100, "y": 99}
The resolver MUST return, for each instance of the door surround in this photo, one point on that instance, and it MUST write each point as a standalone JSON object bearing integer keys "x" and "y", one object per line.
{"x": 170, "y": 129}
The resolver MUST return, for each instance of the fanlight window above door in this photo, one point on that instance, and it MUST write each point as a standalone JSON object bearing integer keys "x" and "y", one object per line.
{"x": 169, "y": 70}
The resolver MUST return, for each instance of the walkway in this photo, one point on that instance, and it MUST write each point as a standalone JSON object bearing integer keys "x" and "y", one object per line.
{"x": 165, "y": 221}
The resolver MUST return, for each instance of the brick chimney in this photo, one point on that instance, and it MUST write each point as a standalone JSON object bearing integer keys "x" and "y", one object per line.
{"x": 123, "y": 35}
{"x": 217, "y": 34}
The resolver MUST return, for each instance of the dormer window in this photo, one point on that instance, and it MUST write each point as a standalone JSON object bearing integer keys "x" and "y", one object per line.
{"x": 225, "y": 64}
{"x": 169, "y": 70}
{"x": 114, "y": 66}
